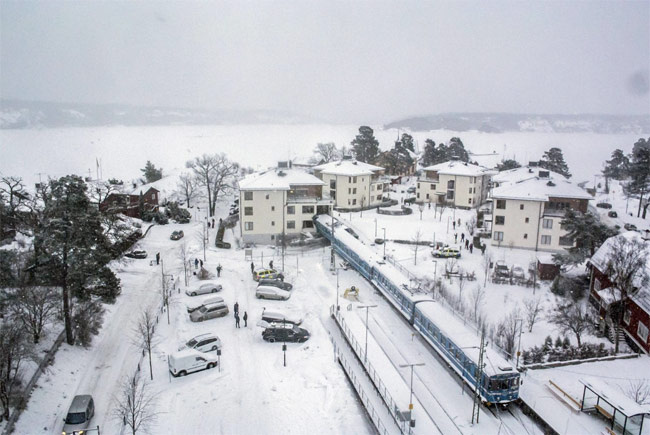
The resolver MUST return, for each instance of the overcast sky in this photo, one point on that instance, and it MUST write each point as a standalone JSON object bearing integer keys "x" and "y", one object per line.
{"x": 337, "y": 61}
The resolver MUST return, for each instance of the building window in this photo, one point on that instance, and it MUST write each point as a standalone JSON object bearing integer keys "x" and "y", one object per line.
{"x": 527, "y": 220}
{"x": 642, "y": 332}
{"x": 597, "y": 285}
{"x": 332, "y": 184}
{"x": 427, "y": 195}
{"x": 308, "y": 209}
{"x": 349, "y": 190}
{"x": 521, "y": 206}
{"x": 526, "y": 236}
{"x": 248, "y": 211}
{"x": 307, "y": 224}
{"x": 470, "y": 190}
{"x": 380, "y": 187}
{"x": 291, "y": 225}
{"x": 547, "y": 223}
{"x": 248, "y": 226}
{"x": 291, "y": 209}
{"x": 469, "y": 201}
{"x": 354, "y": 179}
{"x": 565, "y": 241}
{"x": 450, "y": 184}
{"x": 248, "y": 196}
{"x": 498, "y": 236}
{"x": 546, "y": 240}
{"x": 499, "y": 220}
{"x": 626, "y": 317}
{"x": 272, "y": 208}
{"x": 501, "y": 204}
{"x": 354, "y": 202}
{"x": 267, "y": 196}
{"x": 333, "y": 194}
{"x": 450, "y": 195}
{"x": 433, "y": 186}
{"x": 354, "y": 191}
{"x": 418, "y": 196}
{"x": 272, "y": 223}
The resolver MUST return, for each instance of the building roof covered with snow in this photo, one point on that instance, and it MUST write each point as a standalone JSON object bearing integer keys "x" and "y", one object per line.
{"x": 540, "y": 189}
{"x": 279, "y": 179}
{"x": 456, "y": 167}
{"x": 524, "y": 173}
{"x": 601, "y": 258}
{"x": 348, "y": 167}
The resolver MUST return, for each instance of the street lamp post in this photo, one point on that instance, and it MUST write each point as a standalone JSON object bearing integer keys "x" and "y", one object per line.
{"x": 375, "y": 228}
{"x": 411, "y": 397}
{"x": 384, "y": 229}
{"x": 367, "y": 307}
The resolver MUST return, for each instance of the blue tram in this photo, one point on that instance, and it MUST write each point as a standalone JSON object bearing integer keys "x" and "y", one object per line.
{"x": 456, "y": 343}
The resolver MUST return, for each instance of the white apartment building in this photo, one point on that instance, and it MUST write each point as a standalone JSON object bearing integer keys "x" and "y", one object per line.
{"x": 353, "y": 185}
{"x": 279, "y": 201}
{"x": 527, "y": 214}
{"x": 455, "y": 183}
{"x": 524, "y": 173}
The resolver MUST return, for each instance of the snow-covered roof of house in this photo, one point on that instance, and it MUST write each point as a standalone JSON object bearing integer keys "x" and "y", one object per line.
{"x": 348, "y": 167}
{"x": 540, "y": 189}
{"x": 601, "y": 257}
{"x": 524, "y": 173}
{"x": 456, "y": 167}
{"x": 279, "y": 179}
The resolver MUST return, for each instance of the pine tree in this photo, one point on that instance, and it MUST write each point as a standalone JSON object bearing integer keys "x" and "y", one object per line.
{"x": 70, "y": 242}
{"x": 456, "y": 149}
{"x": 151, "y": 173}
{"x": 407, "y": 142}
{"x": 618, "y": 167}
{"x": 639, "y": 172}
{"x": 587, "y": 233}
{"x": 553, "y": 160}
{"x": 365, "y": 146}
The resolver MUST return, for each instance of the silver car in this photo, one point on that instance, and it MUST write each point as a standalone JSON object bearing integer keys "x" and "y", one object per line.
{"x": 209, "y": 311}
{"x": 203, "y": 343}
{"x": 270, "y": 292}
{"x": 204, "y": 289}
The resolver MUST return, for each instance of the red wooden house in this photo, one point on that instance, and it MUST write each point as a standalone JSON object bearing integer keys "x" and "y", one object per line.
{"x": 636, "y": 317}
{"x": 129, "y": 204}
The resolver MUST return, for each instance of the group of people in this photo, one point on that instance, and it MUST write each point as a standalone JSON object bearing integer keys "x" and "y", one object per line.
{"x": 244, "y": 317}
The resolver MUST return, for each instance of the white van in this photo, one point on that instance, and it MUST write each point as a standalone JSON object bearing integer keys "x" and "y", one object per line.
{"x": 189, "y": 361}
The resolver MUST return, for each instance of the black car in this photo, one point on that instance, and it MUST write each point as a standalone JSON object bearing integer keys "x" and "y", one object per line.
{"x": 285, "y": 332}
{"x": 177, "y": 235}
{"x": 604, "y": 205}
{"x": 630, "y": 227}
{"x": 136, "y": 254}
{"x": 612, "y": 214}
{"x": 275, "y": 283}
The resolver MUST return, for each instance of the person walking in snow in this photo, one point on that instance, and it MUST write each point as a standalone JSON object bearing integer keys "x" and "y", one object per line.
{"x": 236, "y": 320}
{"x": 471, "y": 248}
{"x": 212, "y": 222}
{"x": 271, "y": 264}
{"x": 252, "y": 267}
{"x": 458, "y": 221}
{"x": 245, "y": 319}
{"x": 218, "y": 270}
{"x": 462, "y": 237}
{"x": 196, "y": 263}
{"x": 201, "y": 261}
{"x": 455, "y": 237}
{"x": 158, "y": 258}
{"x": 483, "y": 246}
{"x": 236, "y": 308}
{"x": 466, "y": 243}
{"x": 454, "y": 224}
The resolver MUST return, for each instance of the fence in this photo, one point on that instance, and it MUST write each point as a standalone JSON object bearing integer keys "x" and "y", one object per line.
{"x": 393, "y": 409}
{"x": 24, "y": 397}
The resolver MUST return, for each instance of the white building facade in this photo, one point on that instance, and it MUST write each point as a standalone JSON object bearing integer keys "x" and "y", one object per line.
{"x": 456, "y": 183}
{"x": 528, "y": 214}
{"x": 353, "y": 185}
{"x": 279, "y": 202}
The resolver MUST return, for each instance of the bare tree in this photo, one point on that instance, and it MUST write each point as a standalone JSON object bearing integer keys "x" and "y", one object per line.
{"x": 216, "y": 174}
{"x": 533, "y": 309}
{"x": 487, "y": 260}
{"x": 135, "y": 405}
{"x": 417, "y": 238}
{"x": 626, "y": 270}
{"x": 572, "y": 318}
{"x": 184, "y": 255}
{"x": 13, "y": 191}
{"x": 187, "y": 187}
{"x": 33, "y": 306}
{"x": 478, "y": 295}
{"x": 470, "y": 224}
{"x": 326, "y": 152}
{"x": 98, "y": 191}
{"x": 638, "y": 390}
{"x": 441, "y": 206}
{"x": 461, "y": 286}
{"x": 144, "y": 334}
{"x": 14, "y": 351}
{"x": 508, "y": 329}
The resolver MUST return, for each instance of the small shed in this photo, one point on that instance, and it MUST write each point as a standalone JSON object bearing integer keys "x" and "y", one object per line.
{"x": 622, "y": 412}
{"x": 547, "y": 270}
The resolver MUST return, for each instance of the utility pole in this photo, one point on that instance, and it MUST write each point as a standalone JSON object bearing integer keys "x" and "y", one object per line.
{"x": 332, "y": 260}
{"x": 284, "y": 206}
{"x": 476, "y": 406}
{"x": 367, "y": 307}
{"x": 411, "y": 419}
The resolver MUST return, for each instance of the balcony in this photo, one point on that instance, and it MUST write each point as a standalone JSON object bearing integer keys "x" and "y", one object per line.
{"x": 308, "y": 199}
{"x": 555, "y": 211}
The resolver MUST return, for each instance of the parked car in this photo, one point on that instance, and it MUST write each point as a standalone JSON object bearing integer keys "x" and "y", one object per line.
{"x": 410, "y": 189}
{"x": 604, "y": 205}
{"x": 276, "y": 283}
{"x": 446, "y": 252}
{"x": 210, "y": 300}
{"x": 189, "y": 361}
{"x": 267, "y": 273}
{"x": 612, "y": 214}
{"x": 209, "y": 311}
{"x": 81, "y": 411}
{"x": 285, "y": 332}
{"x": 177, "y": 235}
{"x": 630, "y": 227}
{"x": 270, "y": 292}
{"x": 204, "y": 289}
{"x": 501, "y": 269}
{"x": 136, "y": 254}
{"x": 203, "y": 343}
{"x": 518, "y": 272}
{"x": 379, "y": 241}
{"x": 269, "y": 316}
